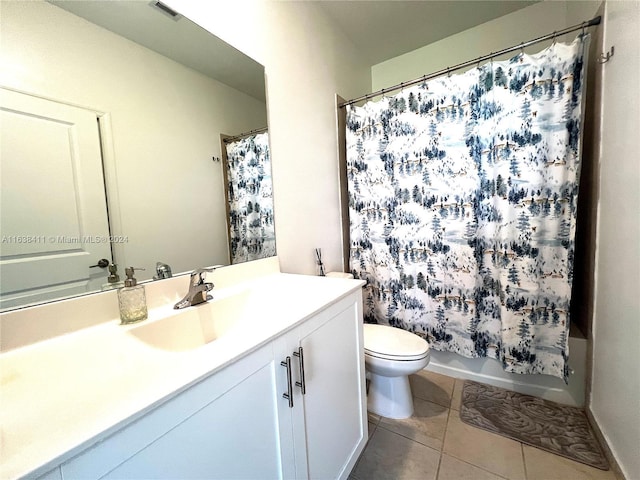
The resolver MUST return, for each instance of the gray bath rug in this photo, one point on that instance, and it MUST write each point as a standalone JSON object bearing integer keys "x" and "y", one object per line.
{"x": 540, "y": 423}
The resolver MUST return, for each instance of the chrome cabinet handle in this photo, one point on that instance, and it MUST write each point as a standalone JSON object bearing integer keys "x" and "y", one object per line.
{"x": 289, "y": 394}
{"x": 301, "y": 383}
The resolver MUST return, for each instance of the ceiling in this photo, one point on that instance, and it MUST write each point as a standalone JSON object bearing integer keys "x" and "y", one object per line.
{"x": 381, "y": 30}
{"x": 145, "y": 24}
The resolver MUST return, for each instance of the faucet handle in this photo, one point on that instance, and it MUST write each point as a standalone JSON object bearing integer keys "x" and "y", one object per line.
{"x": 198, "y": 275}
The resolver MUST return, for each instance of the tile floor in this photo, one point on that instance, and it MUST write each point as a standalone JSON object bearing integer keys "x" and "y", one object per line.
{"x": 434, "y": 444}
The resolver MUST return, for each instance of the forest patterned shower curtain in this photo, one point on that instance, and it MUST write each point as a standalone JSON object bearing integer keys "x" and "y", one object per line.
{"x": 250, "y": 196}
{"x": 462, "y": 194}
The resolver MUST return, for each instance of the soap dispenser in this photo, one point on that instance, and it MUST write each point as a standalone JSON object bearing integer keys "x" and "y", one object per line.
{"x": 113, "y": 280}
{"x": 132, "y": 299}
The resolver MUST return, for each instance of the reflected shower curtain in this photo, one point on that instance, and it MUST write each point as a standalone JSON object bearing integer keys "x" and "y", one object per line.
{"x": 462, "y": 194}
{"x": 250, "y": 196}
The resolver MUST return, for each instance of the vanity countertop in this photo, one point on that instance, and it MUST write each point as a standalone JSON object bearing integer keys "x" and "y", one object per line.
{"x": 62, "y": 395}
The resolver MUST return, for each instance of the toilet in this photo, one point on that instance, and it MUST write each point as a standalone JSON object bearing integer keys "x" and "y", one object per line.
{"x": 391, "y": 355}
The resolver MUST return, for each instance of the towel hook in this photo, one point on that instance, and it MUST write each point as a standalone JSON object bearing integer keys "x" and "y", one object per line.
{"x": 605, "y": 57}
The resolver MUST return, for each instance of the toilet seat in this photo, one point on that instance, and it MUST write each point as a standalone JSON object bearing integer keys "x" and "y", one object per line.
{"x": 392, "y": 343}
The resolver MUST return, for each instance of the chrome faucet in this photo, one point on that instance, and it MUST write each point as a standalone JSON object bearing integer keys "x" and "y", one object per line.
{"x": 198, "y": 289}
{"x": 162, "y": 271}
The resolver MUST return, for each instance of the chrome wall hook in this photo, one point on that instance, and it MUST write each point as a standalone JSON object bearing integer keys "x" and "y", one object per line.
{"x": 605, "y": 57}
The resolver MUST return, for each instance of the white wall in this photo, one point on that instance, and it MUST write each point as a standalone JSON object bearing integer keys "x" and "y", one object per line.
{"x": 517, "y": 27}
{"x": 615, "y": 389}
{"x": 165, "y": 122}
{"x": 307, "y": 61}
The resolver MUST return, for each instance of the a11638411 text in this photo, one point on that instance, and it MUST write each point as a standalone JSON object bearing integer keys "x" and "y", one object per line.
{"x": 67, "y": 239}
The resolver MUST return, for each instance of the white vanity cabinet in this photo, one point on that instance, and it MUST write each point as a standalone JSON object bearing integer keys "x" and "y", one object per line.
{"x": 237, "y": 424}
{"x": 227, "y": 426}
{"x": 329, "y": 419}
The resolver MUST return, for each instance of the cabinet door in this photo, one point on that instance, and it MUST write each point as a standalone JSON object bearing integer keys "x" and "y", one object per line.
{"x": 334, "y": 403}
{"x": 239, "y": 431}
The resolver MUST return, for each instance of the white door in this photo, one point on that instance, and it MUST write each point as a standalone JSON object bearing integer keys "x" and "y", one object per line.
{"x": 53, "y": 213}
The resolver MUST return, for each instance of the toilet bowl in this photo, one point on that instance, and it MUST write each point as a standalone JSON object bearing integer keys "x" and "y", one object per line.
{"x": 391, "y": 355}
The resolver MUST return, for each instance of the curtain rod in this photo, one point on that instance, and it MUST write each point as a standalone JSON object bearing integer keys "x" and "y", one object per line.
{"x": 583, "y": 25}
{"x": 246, "y": 134}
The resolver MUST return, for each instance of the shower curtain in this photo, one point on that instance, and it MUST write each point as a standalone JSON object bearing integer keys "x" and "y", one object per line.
{"x": 462, "y": 204}
{"x": 250, "y": 196}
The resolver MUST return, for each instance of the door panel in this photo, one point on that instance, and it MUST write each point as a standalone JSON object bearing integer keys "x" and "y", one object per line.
{"x": 53, "y": 213}
{"x": 334, "y": 410}
{"x": 234, "y": 437}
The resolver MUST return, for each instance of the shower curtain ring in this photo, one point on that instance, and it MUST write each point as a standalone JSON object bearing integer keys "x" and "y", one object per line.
{"x": 584, "y": 25}
{"x": 555, "y": 38}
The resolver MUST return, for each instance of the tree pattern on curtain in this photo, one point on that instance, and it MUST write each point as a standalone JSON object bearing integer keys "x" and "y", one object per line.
{"x": 250, "y": 196}
{"x": 462, "y": 203}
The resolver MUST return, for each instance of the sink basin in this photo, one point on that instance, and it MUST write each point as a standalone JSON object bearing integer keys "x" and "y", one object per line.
{"x": 195, "y": 326}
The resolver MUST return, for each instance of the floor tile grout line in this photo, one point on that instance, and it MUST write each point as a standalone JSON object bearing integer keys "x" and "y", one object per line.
{"x": 412, "y": 439}
{"x": 446, "y": 429}
{"x": 431, "y": 401}
{"x": 438, "y": 468}
{"x": 382, "y": 425}
{"x": 444, "y": 438}
{"x": 484, "y": 469}
{"x": 442, "y": 452}
{"x": 369, "y": 437}
{"x": 524, "y": 462}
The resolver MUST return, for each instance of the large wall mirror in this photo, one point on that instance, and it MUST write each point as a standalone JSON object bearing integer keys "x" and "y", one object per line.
{"x": 113, "y": 120}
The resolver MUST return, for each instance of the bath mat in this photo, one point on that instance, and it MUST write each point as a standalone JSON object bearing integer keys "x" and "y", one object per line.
{"x": 540, "y": 423}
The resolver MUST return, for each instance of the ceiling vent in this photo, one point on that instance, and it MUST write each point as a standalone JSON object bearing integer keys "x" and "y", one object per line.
{"x": 169, "y": 12}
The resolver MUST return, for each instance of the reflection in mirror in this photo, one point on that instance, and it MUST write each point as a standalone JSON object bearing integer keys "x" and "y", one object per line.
{"x": 248, "y": 189}
{"x": 127, "y": 105}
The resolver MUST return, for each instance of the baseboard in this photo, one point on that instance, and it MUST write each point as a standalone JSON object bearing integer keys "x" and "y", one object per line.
{"x": 613, "y": 463}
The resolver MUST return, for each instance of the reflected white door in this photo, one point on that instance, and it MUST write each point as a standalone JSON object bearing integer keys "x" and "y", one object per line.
{"x": 53, "y": 211}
